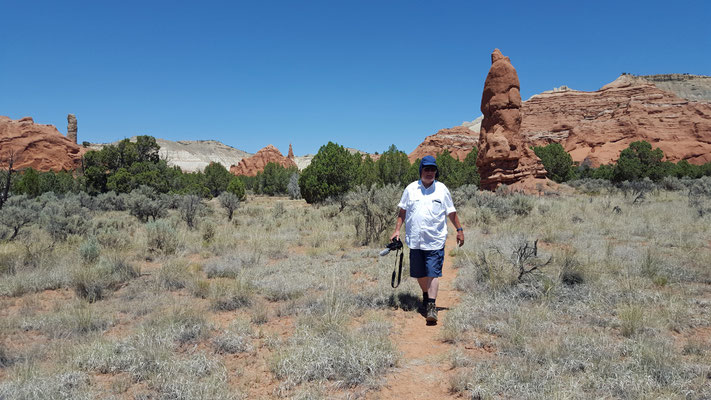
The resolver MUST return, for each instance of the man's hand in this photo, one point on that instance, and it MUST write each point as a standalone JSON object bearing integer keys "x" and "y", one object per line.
{"x": 460, "y": 238}
{"x": 396, "y": 235}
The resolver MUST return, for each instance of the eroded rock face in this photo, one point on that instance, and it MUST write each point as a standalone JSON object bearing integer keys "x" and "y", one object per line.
{"x": 504, "y": 157}
{"x": 41, "y": 147}
{"x": 594, "y": 127}
{"x": 72, "y": 128}
{"x": 459, "y": 141}
{"x": 250, "y": 166}
{"x": 290, "y": 156}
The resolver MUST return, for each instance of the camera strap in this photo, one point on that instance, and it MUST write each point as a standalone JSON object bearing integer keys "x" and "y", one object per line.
{"x": 397, "y": 269}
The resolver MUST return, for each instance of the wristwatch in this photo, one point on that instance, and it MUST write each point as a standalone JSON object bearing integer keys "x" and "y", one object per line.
{"x": 460, "y": 230}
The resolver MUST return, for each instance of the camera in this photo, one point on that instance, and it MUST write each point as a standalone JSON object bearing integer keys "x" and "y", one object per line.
{"x": 396, "y": 244}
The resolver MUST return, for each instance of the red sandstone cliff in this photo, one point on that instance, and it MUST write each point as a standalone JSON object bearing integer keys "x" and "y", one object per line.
{"x": 459, "y": 141}
{"x": 595, "y": 126}
{"x": 250, "y": 166}
{"x": 41, "y": 147}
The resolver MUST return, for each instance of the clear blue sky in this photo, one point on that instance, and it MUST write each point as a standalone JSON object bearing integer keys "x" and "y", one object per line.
{"x": 364, "y": 74}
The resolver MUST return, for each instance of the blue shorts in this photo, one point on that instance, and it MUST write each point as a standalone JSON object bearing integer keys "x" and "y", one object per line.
{"x": 426, "y": 263}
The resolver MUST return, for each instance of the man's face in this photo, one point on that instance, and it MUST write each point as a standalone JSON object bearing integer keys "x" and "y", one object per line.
{"x": 428, "y": 174}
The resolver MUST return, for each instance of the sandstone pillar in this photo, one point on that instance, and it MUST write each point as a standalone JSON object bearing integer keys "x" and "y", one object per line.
{"x": 72, "y": 128}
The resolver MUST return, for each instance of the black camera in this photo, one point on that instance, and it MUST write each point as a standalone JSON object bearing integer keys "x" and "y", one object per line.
{"x": 396, "y": 244}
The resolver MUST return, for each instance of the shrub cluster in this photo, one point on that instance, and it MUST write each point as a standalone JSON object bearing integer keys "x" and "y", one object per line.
{"x": 334, "y": 171}
{"x": 636, "y": 162}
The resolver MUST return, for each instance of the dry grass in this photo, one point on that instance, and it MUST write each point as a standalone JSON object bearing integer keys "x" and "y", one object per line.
{"x": 283, "y": 292}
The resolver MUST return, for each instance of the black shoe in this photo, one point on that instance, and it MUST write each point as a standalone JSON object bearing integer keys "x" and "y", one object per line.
{"x": 431, "y": 314}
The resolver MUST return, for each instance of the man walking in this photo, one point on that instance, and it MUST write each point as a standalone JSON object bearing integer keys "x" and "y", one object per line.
{"x": 424, "y": 207}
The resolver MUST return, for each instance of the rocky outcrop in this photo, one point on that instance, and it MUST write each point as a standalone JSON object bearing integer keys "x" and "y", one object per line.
{"x": 459, "y": 141}
{"x": 686, "y": 86}
{"x": 250, "y": 166}
{"x": 41, "y": 147}
{"x": 594, "y": 127}
{"x": 290, "y": 156}
{"x": 504, "y": 157}
{"x": 72, "y": 128}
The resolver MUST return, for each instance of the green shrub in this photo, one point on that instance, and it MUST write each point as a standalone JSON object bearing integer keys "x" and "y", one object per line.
{"x": 90, "y": 250}
{"x": 557, "y": 162}
{"x": 236, "y": 187}
{"x": 331, "y": 173}
{"x": 161, "y": 237}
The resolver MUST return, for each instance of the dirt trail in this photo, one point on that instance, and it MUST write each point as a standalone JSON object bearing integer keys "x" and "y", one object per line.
{"x": 424, "y": 369}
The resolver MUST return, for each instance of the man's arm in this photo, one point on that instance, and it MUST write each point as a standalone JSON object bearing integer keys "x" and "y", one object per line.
{"x": 460, "y": 232}
{"x": 400, "y": 219}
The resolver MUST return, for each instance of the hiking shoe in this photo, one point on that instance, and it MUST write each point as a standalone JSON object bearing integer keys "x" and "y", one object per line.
{"x": 431, "y": 314}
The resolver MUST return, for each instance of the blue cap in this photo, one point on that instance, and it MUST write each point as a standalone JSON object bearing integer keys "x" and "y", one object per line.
{"x": 429, "y": 160}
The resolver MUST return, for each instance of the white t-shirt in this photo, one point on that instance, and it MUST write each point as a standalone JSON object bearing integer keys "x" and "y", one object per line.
{"x": 426, "y": 215}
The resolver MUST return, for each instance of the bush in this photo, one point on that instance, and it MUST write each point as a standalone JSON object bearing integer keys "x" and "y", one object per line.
{"x": 557, "y": 162}
{"x": 110, "y": 201}
{"x": 230, "y": 295}
{"x": 292, "y": 188}
{"x": 161, "y": 237}
{"x": 190, "y": 208}
{"x": 331, "y": 173}
{"x": 64, "y": 217}
{"x": 17, "y": 213}
{"x": 375, "y": 210}
{"x": 90, "y": 282}
{"x": 236, "y": 187}
{"x": 90, "y": 250}
{"x": 230, "y": 202}
{"x": 217, "y": 177}
{"x": 392, "y": 167}
{"x": 144, "y": 203}
{"x": 174, "y": 275}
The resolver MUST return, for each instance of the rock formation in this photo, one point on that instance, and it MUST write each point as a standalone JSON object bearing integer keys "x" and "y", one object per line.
{"x": 250, "y": 166}
{"x": 504, "y": 157}
{"x": 459, "y": 141}
{"x": 594, "y": 127}
{"x": 686, "y": 86}
{"x": 291, "y": 153}
{"x": 41, "y": 147}
{"x": 72, "y": 128}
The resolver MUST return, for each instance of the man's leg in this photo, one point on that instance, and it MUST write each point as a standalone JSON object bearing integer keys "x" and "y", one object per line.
{"x": 429, "y": 285}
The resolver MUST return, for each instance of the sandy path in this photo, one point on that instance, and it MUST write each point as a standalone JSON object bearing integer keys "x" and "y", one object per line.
{"x": 424, "y": 367}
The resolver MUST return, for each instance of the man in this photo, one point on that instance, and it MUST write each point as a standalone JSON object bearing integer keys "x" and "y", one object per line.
{"x": 424, "y": 207}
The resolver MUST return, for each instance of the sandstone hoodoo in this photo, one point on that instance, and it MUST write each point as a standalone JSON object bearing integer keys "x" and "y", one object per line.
{"x": 250, "y": 166}
{"x": 41, "y": 147}
{"x": 594, "y": 127}
{"x": 504, "y": 157}
{"x": 72, "y": 128}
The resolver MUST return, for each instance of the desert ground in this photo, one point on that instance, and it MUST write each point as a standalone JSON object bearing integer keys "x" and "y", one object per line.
{"x": 576, "y": 293}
